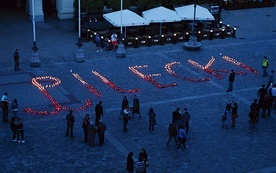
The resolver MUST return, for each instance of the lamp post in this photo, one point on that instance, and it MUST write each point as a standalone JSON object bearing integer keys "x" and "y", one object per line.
{"x": 121, "y": 51}
{"x": 79, "y": 55}
{"x": 35, "y": 61}
{"x": 192, "y": 43}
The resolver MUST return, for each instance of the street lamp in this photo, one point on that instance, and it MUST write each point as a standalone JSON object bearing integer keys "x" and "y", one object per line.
{"x": 79, "y": 55}
{"x": 192, "y": 43}
{"x": 121, "y": 51}
{"x": 35, "y": 61}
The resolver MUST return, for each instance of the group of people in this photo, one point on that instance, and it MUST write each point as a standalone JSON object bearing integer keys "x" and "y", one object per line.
{"x": 230, "y": 114}
{"x": 16, "y": 124}
{"x": 142, "y": 163}
{"x": 179, "y": 128}
{"x": 89, "y": 128}
{"x": 113, "y": 39}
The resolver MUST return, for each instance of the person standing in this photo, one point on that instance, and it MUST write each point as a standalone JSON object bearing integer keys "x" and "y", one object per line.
{"x": 186, "y": 118}
{"x": 265, "y": 66}
{"x": 231, "y": 81}
{"x": 130, "y": 163}
{"x": 91, "y": 132}
{"x": 101, "y": 128}
{"x": 182, "y": 138}
{"x": 5, "y": 109}
{"x": 85, "y": 123}
{"x": 176, "y": 116}
{"x": 136, "y": 107}
{"x": 13, "y": 128}
{"x": 172, "y": 132}
{"x": 152, "y": 120}
{"x": 270, "y": 79}
{"x": 234, "y": 115}
{"x": 99, "y": 112}
{"x": 143, "y": 157}
{"x": 16, "y": 60}
{"x": 19, "y": 130}
{"x": 123, "y": 106}
{"x": 125, "y": 118}
{"x": 70, "y": 123}
{"x": 114, "y": 40}
{"x": 227, "y": 114}
{"x": 14, "y": 107}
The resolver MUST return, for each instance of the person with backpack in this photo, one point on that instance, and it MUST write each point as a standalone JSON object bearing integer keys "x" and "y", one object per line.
{"x": 173, "y": 133}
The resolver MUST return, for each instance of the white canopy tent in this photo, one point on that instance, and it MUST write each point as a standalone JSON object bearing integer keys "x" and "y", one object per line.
{"x": 128, "y": 17}
{"x": 160, "y": 15}
{"x": 187, "y": 13}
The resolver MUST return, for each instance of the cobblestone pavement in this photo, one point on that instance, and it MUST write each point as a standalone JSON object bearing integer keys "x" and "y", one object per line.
{"x": 211, "y": 148}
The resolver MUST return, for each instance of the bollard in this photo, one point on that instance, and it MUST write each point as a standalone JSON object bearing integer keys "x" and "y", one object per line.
{"x": 210, "y": 34}
{"x": 234, "y": 33}
{"x": 222, "y": 33}
{"x": 162, "y": 40}
{"x": 220, "y": 24}
{"x": 136, "y": 42}
{"x": 149, "y": 41}
{"x": 187, "y": 36}
{"x": 174, "y": 39}
{"x": 87, "y": 35}
{"x": 199, "y": 36}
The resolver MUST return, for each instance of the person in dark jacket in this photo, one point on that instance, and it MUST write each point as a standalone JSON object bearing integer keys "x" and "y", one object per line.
{"x": 136, "y": 107}
{"x": 173, "y": 133}
{"x": 14, "y": 107}
{"x": 176, "y": 115}
{"x": 13, "y": 128}
{"x": 91, "y": 132}
{"x": 186, "y": 119}
{"x": 5, "y": 109}
{"x": 143, "y": 157}
{"x": 19, "y": 130}
{"x": 152, "y": 120}
{"x": 101, "y": 128}
{"x": 98, "y": 112}
{"x": 16, "y": 60}
{"x": 124, "y": 106}
{"x": 231, "y": 81}
{"x": 70, "y": 123}
{"x": 130, "y": 163}
{"x": 85, "y": 123}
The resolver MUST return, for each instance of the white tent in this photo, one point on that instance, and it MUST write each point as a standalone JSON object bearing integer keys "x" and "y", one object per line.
{"x": 160, "y": 15}
{"x": 129, "y": 18}
{"x": 187, "y": 13}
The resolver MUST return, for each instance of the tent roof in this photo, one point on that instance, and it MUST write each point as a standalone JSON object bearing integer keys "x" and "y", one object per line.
{"x": 160, "y": 15}
{"x": 187, "y": 13}
{"x": 129, "y": 18}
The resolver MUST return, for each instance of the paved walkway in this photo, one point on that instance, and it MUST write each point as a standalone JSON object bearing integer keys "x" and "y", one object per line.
{"x": 211, "y": 148}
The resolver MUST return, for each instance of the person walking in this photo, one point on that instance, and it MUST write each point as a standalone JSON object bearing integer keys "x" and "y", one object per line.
{"x": 98, "y": 112}
{"x": 231, "y": 81}
{"x": 136, "y": 107}
{"x": 16, "y": 60}
{"x": 130, "y": 163}
{"x": 85, "y": 123}
{"x": 186, "y": 118}
{"x": 14, "y": 107}
{"x": 270, "y": 79}
{"x": 234, "y": 115}
{"x": 152, "y": 120}
{"x": 70, "y": 123}
{"x": 123, "y": 106}
{"x": 182, "y": 137}
{"x": 265, "y": 66}
{"x": 125, "y": 118}
{"x": 172, "y": 129}
{"x": 91, "y": 132}
{"x": 101, "y": 128}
